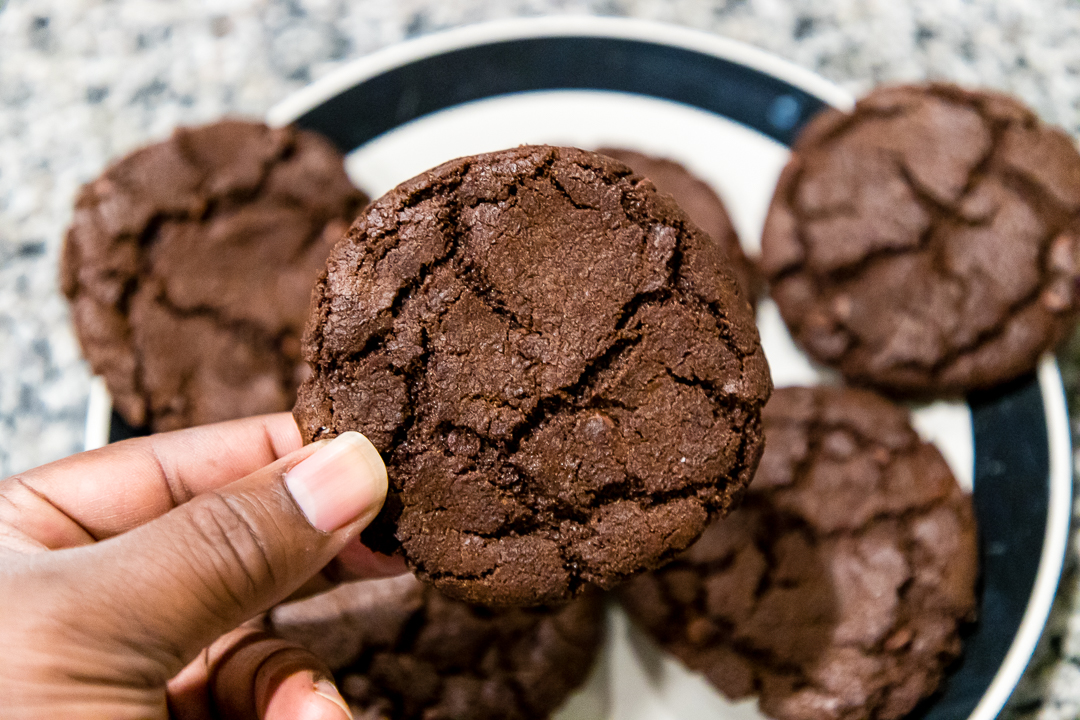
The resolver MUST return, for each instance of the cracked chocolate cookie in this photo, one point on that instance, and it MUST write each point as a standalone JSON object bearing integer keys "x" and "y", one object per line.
{"x": 557, "y": 366}
{"x": 927, "y": 242}
{"x": 401, "y": 651}
{"x": 700, "y": 204}
{"x": 837, "y": 589}
{"x": 189, "y": 266}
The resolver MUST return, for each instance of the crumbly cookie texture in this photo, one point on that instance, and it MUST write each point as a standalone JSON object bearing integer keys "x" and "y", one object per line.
{"x": 399, "y": 650}
{"x": 556, "y": 365}
{"x": 703, "y": 206}
{"x": 928, "y": 241}
{"x": 189, "y": 266}
{"x": 836, "y": 591}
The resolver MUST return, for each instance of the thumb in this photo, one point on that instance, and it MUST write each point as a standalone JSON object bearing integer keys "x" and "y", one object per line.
{"x": 167, "y": 589}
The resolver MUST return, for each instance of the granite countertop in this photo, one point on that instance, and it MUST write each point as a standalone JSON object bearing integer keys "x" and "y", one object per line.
{"x": 84, "y": 81}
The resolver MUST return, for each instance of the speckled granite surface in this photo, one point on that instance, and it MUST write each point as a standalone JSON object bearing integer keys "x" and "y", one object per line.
{"x": 83, "y": 81}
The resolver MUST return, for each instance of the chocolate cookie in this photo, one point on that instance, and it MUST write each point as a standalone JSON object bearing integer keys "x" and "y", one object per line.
{"x": 189, "y": 267}
{"x": 835, "y": 592}
{"x": 701, "y": 205}
{"x": 555, "y": 363}
{"x": 400, "y": 650}
{"x": 927, "y": 242}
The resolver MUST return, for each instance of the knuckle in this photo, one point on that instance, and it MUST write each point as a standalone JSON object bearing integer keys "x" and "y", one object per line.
{"x": 234, "y": 549}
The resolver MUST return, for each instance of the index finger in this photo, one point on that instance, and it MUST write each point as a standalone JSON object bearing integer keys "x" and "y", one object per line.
{"x": 97, "y": 494}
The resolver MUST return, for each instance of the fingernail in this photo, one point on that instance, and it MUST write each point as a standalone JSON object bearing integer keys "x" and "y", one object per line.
{"x": 328, "y": 690}
{"x": 343, "y": 481}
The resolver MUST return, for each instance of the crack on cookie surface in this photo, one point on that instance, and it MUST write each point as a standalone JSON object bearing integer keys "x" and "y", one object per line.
{"x": 702, "y": 206}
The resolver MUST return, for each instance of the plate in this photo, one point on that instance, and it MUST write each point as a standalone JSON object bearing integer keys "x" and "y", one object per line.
{"x": 728, "y": 112}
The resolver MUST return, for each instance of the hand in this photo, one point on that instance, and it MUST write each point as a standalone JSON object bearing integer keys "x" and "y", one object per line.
{"x": 130, "y": 575}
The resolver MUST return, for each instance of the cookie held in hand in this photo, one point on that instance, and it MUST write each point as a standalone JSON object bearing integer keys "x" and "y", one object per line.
{"x": 835, "y": 592}
{"x": 556, "y": 365}
{"x": 189, "y": 267}
{"x": 928, "y": 242}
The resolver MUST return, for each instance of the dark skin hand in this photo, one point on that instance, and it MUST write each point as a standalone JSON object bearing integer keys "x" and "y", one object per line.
{"x": 133, "y": 578}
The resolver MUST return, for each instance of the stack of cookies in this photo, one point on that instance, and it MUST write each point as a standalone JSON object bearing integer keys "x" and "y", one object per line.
{"x": 561, "y": 369}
